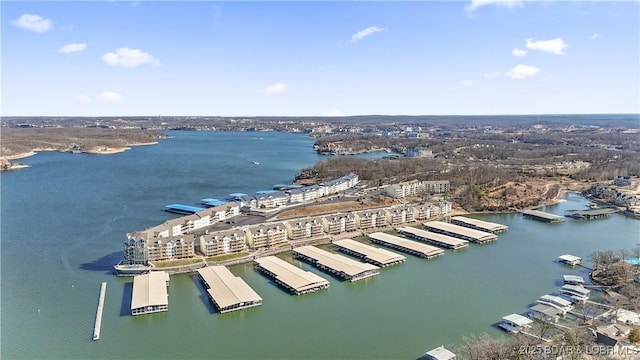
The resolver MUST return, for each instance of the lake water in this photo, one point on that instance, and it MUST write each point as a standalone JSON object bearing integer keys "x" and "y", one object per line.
{"x": 63, "y": 222}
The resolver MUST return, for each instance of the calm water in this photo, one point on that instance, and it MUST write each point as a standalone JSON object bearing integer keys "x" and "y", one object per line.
{"x": 64, "y": 219}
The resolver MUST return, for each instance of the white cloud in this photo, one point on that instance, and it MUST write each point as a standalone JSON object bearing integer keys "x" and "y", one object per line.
{"x": 82, "y": 99}
{"x": 519, "y": 52}
{"x": 492, "y": 75}
{"x": 111, "y": 96}
{"x": 595, "y": 36}
{"x": 33, "y": 22}
{"x": 467, "y": 83}
{"x": 520, "y": 71}
{"x": 365, "y": 32}
{"x": 276, "y": 88}
{"x": 129, "y": 58}
{"x": 554, "y": 46}
{"x": 71, "y": 48}
{"x": 504, "y": 3}
{"x": 334, "y": 112}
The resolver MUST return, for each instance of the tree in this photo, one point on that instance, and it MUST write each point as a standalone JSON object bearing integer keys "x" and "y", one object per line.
{"x": 634, "y": 335}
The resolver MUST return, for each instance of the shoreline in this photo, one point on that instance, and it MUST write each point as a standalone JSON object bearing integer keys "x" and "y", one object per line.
{"x": 95, "y": 151}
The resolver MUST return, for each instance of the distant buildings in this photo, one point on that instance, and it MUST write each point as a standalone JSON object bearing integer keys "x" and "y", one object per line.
{"x": 415, "y": 187}
{"x": 188, "y": 236}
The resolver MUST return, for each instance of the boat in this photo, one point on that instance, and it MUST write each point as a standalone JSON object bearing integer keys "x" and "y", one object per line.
{"x": 121, "y": 269}
{"x": 255, "y": 163}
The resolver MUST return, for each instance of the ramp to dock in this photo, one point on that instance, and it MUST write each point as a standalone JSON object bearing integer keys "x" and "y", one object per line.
{"x": 98, "y": 324}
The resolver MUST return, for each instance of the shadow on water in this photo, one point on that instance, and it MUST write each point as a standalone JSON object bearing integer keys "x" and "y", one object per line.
{"x": 204, "y": 295}
{"x": 125, "y": 306}
{"x": 104, "y": 264}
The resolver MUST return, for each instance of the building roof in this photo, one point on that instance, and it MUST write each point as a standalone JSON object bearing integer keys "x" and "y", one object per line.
{"x": 440, "y": 353}
{"x": 377, "y": 255}
{"x": 518, "y": 319}
{"x": 299, "y": 280}
{"x": 480, "y": 223}
{"x": 444, "y": 239}
{"x": 336, "y": 262}
{"x": 546, "y": 310}
{"x": 150, "y": 289}
{"x": 460, "y": 230}
{"x": 569, "y": 258}
{"x": 425, "y": 249}
{"x": 225, "y": 288}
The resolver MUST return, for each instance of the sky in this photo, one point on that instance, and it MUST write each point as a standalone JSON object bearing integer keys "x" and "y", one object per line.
{"x": 294, "y": 58}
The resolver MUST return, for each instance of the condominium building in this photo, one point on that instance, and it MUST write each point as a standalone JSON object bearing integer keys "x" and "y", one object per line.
{"x": 222, "y": 242}
{"x": 308, "y": 228}
{"x": 400, "y": 215}
{"x": 370, "y": 219}
{"x": 404, "y": 189}
{"x": 422, "y": 212}
{"x": 436, "y": 187}
{"x": 339, "y": 223}
{"x": 266, "y": 235}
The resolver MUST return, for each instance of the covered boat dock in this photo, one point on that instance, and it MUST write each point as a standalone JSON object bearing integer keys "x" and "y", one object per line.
{"x": 294, "y": 279}
{"x": 460, "y": 232}
{"x": 336, "y": 264}
{"x": 150, "y": 293}
{"x": 405, "y": 245}
{"x": 370, "y": 254}
{"x": 480, "y": 225}
{"x": 182, "y": 209}
{"x": 542, "y": 216}
{"x": 589, "y": 214}
{"x": 227, "y": 291}
{"x": 570, "y": 259}
{"x": 433, "y": 238}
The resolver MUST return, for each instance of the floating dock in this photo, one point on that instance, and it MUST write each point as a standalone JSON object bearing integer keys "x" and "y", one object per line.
{"x": 405, "y": 245}
{"x": 294, "y": 279}
{"x": 433, "y": 238}
{"x": 98, "y": 324}
{"x": 370, "y": 254}
{"x": 150, "y": 293}
{"x": 336, "y": 264}
{"x": 542, "y": 216}
{"x": 480, "y": 225}
{"x": 460, "y": 232}
{"x": 573, "y": 280}
{"x": 182, "y": 209}
{"x": 227, "y": 291}
{"x": 570, "y": 259}
{"x": 589, "y": 214}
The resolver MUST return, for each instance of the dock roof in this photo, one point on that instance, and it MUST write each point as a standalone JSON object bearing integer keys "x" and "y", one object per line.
{"x": 183, "y": 208}
{"x": 518, "y": 319}
{"x": 490, "y": 226}
{"x": 150, "y": 289}
{"x": 225, "y": 288}
{"x": 380, "y": 256}
{"x": 401, "y": 242}
{"x": 297, "y": 279}
{"x": 336, "y": 262}
{"x": 477, "y": 235}
{"x": 431, "y": 236}
{"x": 569, "y": 258}
{"x": 543, "y": 215}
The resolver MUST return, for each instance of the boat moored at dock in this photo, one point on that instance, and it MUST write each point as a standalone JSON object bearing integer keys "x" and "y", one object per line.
{"x": 121, "y": 269}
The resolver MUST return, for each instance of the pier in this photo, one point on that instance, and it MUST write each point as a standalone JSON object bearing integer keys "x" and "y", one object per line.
{"x": 541, "y": 216}
{"x": 338, "y": 265}
{"x": 433, "y": 238}
{"x": 98, "y": 324}
{"x": 294, "y": 279}
{"x": 182, "y": 209}
{"x": 589, "y": 214}
{"x": 405, "y": 245}
{"x": 460, "y": 232}
{"x": 370, "y": 254}
{"x": 480, "y": 225}
{"x": 227, "y": 291}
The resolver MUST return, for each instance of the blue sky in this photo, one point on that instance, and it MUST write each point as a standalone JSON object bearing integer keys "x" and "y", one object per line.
{"x": 117, "y": 58}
